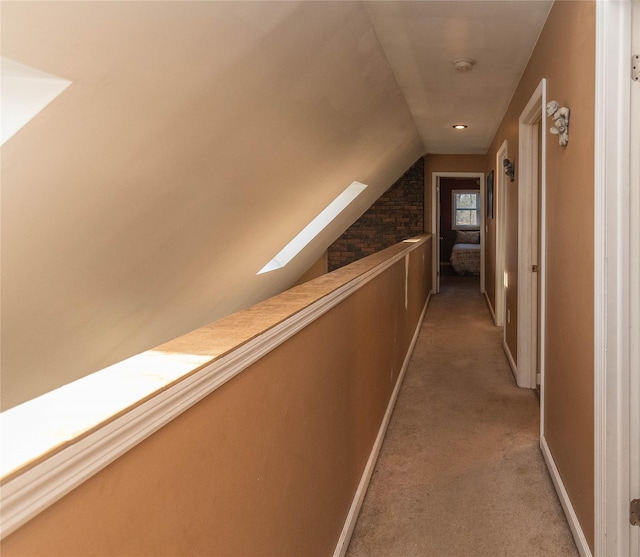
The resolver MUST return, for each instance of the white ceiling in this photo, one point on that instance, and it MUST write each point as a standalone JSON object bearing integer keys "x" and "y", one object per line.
{"x": 422, "y": 39}
{"x": 198, "y": 138}
{"x": 195, "y": 141}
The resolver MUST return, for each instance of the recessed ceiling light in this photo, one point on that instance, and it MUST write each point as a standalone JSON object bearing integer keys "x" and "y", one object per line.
{"x": 459, "y": 126}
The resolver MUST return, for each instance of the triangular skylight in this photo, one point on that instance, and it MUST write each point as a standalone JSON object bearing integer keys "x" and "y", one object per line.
{"x": 317, "y": 225}
{"x": 25, "y": 92}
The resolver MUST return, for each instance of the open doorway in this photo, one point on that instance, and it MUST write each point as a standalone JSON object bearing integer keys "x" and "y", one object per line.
{"x": 458, "y": 218}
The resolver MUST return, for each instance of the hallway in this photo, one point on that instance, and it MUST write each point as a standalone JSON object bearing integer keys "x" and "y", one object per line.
{"x": 460, "y": 472}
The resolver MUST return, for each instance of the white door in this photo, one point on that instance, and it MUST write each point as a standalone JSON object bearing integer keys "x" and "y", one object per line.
{"x": 617, "y": 279}
{"x": 634, "y": 281}
{"x": 531, "y": 253}
{"x": 500, "y": 196}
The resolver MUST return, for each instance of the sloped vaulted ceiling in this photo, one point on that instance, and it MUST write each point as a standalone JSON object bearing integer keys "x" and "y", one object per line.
{"x": 196, "y": 139}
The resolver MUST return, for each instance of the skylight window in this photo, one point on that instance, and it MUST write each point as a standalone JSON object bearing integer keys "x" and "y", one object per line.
{"x": 25, "y": 92}
{"x": 317, "y": 225}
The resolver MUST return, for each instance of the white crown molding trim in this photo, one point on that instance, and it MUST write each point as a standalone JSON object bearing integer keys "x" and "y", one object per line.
{"x": 565, "y": 501}
{"x": 354, "y": 510}
{"x": 30, "y": 492}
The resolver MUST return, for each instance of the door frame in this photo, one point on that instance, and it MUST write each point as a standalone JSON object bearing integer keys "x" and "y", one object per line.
{"x": 435, "y": 219}
{"x": 634, "y": 280}
{"x": 528, "y": 233}
{"x": 616, "y": 297}
{"x": 500, "y": 195}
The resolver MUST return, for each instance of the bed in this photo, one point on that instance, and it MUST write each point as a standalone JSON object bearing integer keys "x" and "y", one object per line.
{"x": 465, "y": 255}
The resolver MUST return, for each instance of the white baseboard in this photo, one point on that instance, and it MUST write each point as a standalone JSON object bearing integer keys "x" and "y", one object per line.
{"x": 493, "y": 314}
{"x": 40, "y": 467}
{"x": 572, "y": 519}
{"x": 512, "y": 362}
{"x": 354, "y": 510}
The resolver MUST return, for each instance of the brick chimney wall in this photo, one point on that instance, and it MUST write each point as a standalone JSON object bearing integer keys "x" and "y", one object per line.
{"x": 398, "y": 214}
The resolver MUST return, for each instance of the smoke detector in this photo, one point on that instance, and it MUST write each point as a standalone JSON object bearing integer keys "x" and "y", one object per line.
{"x": 463, "y": 64}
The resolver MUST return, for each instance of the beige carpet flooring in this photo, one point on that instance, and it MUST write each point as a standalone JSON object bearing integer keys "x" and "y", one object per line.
{"x": 460, "y": 471}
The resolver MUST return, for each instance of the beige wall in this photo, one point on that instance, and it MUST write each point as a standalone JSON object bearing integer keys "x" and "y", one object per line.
{"x": 565, "y": 56}
{"x": 318, "y": 269}
{"x": 196, "y": 140}
{"x": 268, "y": 464}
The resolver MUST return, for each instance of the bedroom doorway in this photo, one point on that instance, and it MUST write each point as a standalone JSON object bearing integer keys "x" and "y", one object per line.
{"x": 458, "y": 214}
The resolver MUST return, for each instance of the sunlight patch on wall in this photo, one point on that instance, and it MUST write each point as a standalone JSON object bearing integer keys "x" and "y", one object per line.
{"x": 39, "y": 425}
{"x": 317, "y": 225}
{"x": 25, "y": 92}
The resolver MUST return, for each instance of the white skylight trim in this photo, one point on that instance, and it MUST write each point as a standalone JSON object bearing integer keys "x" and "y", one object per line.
{"x": 317, "y": 225}
{"x": 25, "y": 92}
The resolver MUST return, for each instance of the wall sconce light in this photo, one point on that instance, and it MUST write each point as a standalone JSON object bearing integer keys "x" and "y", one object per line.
{"x": 509, "y": 168}
{"x": 560, "y": 115}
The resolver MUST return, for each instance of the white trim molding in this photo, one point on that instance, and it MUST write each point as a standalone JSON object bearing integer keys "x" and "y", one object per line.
{"x": 634, "y": 282}
{"x": 435, "y": 222}
{"x": 493, "y": 315}
{"x": 509, "y": 355}
{"x": 25, "y": 494}
{"x": 358, "y": 498}
{"x": 612, "y": 277}
{"x": 500, "y": 196}
{"x": 528, "y": 180}
{"x": 565, "y": 501}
